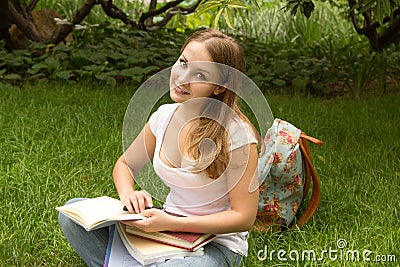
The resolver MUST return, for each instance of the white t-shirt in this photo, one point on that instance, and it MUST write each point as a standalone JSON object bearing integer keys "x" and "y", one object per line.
{"x": 194, "y": 193}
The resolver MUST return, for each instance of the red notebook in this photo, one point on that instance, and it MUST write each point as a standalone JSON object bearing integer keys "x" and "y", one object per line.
{"x": 189, "y": 241}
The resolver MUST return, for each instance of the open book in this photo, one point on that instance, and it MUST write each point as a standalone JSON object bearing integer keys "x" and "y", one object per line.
{"x": 146, "y": 251}
{"x": 189, "y": 241}
{"x": 97, "y": 212}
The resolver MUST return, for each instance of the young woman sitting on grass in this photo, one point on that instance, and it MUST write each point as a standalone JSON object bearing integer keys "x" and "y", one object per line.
{"x": 203, "y": 148}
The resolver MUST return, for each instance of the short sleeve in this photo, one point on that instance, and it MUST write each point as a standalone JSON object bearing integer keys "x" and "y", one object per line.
{"x": 160, "y": 116}
{"x": 153, "y": 121}
{"x": 241, "y": 133}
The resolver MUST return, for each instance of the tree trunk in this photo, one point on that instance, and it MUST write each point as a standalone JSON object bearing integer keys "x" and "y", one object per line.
{"x": 26, "y": 25}
{"x": 31, "y": 28}
{"x": 5, "y": 24}
{"x": 64, "y": 30}
{"x": 377, "y": 41}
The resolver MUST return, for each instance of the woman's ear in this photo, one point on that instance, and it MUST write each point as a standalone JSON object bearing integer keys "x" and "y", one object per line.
{"x": 219, "y": 90}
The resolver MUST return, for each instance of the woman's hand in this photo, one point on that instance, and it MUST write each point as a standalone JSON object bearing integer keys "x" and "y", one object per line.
{"x": 137, "y": 201}
{"x": 156, "y": 220}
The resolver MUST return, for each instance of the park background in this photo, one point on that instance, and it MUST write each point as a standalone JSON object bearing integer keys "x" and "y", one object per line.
{"x": 330, "y": 68}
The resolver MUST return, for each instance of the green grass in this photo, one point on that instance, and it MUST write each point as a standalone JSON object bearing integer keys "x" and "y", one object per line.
{"x": 60, "y": 141}
{"x": 359, "y": 171}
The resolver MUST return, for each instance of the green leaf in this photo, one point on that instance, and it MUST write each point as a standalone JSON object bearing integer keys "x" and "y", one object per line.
{"x": 110, "y": 81}
{"x": 40, "y": 65}
{"x": 204, "y": 8}
{"x": 2, "y": 71}
{"x": 33, "y": 71}
{"x": 14, "y": 60}
{"x": 52, "y": 63}
{"x": 135, "y": 71}
{"x": 228, "y": 19}
{"x": 365, "y": 5}
{"x": 281, "y": 67}
{"x": 63, "y": 48}
{"x": 37, "y": 76}
{"x": 150, "y": 69}
{"x": 115, "y": 55}
{"x": 12, "y": 76}
{"x": 294, "y": 9}
{"x": 112, "y": 73}
{"x": 382, "y": 9}
{"x": 300, "y": 83}
{"x": 279, "y": 82}
{"x": 238, "y": 4}
{"x": 93, "y": 68}
{"x": 137, "y": 59}
{"x": 97, "y": 58}
{"x": 84, "y": 73}
{"x": 216, "y": 19}
{"x": 308, "y": 8}
{"x": 65, "y": 74}
{"x": 136, "y": 78}
{"x": 113, "y": 42}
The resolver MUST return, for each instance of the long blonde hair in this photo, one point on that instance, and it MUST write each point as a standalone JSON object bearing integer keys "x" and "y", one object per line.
{"x": 224, "y": 50}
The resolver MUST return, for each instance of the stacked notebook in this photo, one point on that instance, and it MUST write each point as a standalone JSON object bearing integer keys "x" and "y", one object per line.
{"x": 146, "y": 251}
{"x": 130, "y": 243}
{"x": 187, "y": 241}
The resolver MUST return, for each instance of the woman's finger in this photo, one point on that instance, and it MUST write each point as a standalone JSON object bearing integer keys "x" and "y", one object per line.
{"x": 138, "y": 201}
{"x": 141, "y": 200}
{"x": 148, "y": 199}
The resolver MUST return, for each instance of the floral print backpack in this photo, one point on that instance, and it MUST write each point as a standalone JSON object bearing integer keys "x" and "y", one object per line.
{"x": 285, "y": 172}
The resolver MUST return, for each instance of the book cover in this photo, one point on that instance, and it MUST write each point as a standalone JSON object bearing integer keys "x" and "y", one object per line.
{"x": 97, "y": 212}
{"x": 185, "y": 240}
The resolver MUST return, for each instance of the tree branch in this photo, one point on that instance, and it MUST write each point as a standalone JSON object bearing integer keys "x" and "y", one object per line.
{"x": 156, "y": 12}
{"x": 377, "y": 41}
{"x": 367, "y": 19}
{"x": 152, "y": 7}
{"x": 64, "y": 30}
{"x": 175, "y": 11}
{"x": 353, "y": 17}
{"x": 366, "y": 30}
{"x": 114, "y": 12}
{"x": 31, "y": 6}
{"x": 396, "y": 13}
{"x": 390, "y": 33}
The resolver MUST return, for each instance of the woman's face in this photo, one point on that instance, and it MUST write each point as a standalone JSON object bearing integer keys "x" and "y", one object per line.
{"x": 193, "y": 75}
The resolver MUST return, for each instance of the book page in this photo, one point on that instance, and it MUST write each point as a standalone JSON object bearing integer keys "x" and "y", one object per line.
{"x": 117, "y": 254}
{"x": 95, "y": 210}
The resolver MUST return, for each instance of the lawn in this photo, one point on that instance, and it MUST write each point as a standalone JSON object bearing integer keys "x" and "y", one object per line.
{"x": 60, "y": 141}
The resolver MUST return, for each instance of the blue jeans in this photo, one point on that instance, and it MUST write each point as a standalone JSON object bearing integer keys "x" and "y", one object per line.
{"x": 92, "y": 246}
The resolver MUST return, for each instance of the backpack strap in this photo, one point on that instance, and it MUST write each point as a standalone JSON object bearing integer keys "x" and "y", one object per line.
{"x": 310, "y": 176}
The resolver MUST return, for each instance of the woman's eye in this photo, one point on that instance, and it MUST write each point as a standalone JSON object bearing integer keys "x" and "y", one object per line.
{"x": 182, "y": 63}
{"x": 201, "y": 76}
